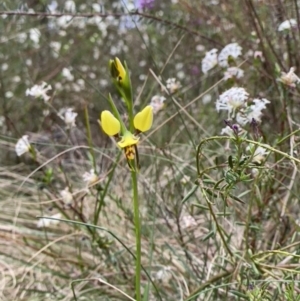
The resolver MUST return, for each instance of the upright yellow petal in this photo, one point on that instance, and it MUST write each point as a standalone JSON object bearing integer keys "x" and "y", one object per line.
{"x": 143, "y": 120}
{"x": 110, "y": 124}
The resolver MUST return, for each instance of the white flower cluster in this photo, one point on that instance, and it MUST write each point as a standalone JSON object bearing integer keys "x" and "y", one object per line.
{"x": 232, "y": 99}
{"x": 173, "y": 85}
{"x": 254, "y": 111}
{"x": 68, "y": 116}
{"x": 22, "y": 146}
{"x": 212, "y": 59}
{"x": 157, "y": 103}
{"x": 39, "y": 91}
{"x": 287, "y": 24}
{"x": 236, "y": 102}
{"x": 289, "y": 79}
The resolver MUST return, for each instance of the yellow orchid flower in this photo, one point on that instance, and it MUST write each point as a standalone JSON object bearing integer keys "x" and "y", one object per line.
{"x": 143, "y": 120}
{"x": 110, "y": 124}
{"x": 112, "y": 127}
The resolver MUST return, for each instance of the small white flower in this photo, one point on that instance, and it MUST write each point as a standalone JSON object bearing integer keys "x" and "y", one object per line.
{"x": 232, "y": 99}
{"x": 210, "y": 60}
{"x": 233, "y": 72}
{"x": 34, "y": 35}
{"x": 68, "y": 116}
{"x": 157, "y": 103}
{"x": 232, "y": 50}
{"x": 45, "y": 222}
{"x": 259, "y": 154}
{"x": 290, "y": 79}
{"x": 66, "y": 196}
{"x": 287, "y": 24}
{"x": 39, "y": 91}
{"x": 67, "y": 74}
{"x": 254, "y": 111}
{"x": 206, "y": 99}
{"x": 70, "y": 6}
{"x": 90, "y": 177}
{"x": 22, "y": 146}
{"x": 187, "y": 221}
{"x": 173, "y": 85}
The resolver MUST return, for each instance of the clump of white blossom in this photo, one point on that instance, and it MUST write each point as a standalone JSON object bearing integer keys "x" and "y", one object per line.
{"x": 236, "y": 101}
{"x": 90, "y": 177}
{"x": 46, "y": 222}
{"x": 233, "y": 50}
{"x": 210, "y": 60}
{"x": 39, "y": 91}
{"x": 287, "y": 24}
{"x": 289, "y": 79}
{"x": 232, "y": 99}
{"x": 173, "y": 85}
{"x": 22, "y": 146}
{"x": 68, "y": 116}
{"x": 253, "y": 111}
{"x": 157, "y": 102}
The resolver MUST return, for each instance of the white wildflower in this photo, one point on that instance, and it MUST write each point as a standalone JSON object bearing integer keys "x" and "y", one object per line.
{"x": 259, "y": 153}
{"x": 232, "y": 99}
{"x": 46, "y": 222}
{"x": 70, "y": 6}
{"x": 187, "y": 221}
{"x": 254, "y": 111}
{"x": 55, "y": 47}
{"x": 232, "y": 50}
{"x": 157, "y": 103}
{"x": 173, "y": 85}
{"x": 67, "y": 74}
{"x": 90, "y": 177}
{"x": 22, "y": 146}
{"x": 66, "y": 196}
{"x": 34, "y": 35}
{"x": 287, "y": 24}
{"x": 206, "y": 99}
{"x": 210, "y": 60}
{"x": 39, "y": 91}
{"x": 290, "y": 79}
{"x": 68, "y": 116}
{"x": 233, "y": 72}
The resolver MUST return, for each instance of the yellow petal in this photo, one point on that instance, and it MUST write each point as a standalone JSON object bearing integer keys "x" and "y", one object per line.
{"x": 127, "y": 140}
{"x": 110, "y": 124}
{"x": 143, "y": 120}
{"x": 120, "y": 69}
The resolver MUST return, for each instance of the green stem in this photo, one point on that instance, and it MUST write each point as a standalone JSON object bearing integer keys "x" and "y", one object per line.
{"x": 137, "y": 225}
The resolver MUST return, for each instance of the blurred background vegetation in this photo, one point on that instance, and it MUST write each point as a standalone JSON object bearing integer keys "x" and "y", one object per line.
{"x": 68, "y": 45}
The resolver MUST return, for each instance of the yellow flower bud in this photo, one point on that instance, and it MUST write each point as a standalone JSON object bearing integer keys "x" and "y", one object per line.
{"x": 110, "y": 124}
{"x": 143, "y": 120}
{"x": 117, "y": 70}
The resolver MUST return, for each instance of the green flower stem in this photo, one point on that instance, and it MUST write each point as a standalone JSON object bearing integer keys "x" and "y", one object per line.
{"x": 137, "y": 225}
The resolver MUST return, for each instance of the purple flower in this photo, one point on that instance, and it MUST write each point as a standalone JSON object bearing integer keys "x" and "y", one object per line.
{"x": 148, "y": 4}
